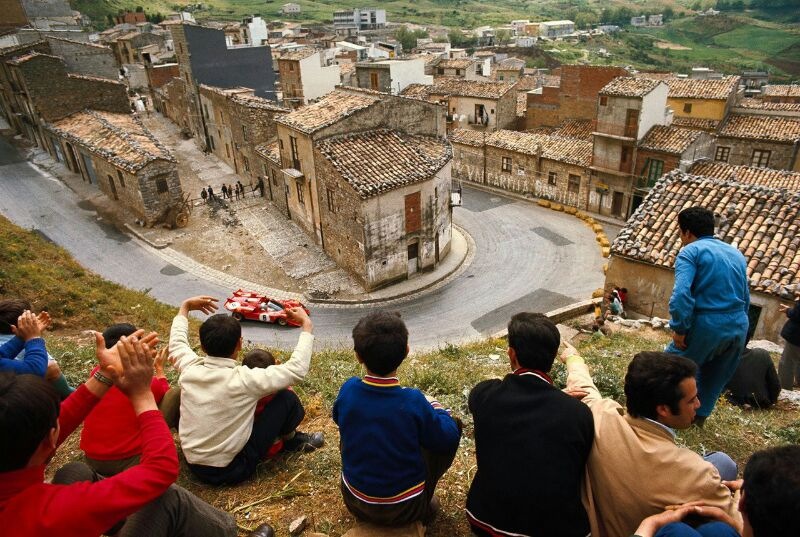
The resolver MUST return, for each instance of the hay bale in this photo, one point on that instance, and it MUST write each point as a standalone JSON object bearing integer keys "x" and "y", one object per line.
{"x": 556, "y": 206}
{"x": 543, "y": 203}
{"x": 606, "y": 251}
{"x": 598, "y": 293}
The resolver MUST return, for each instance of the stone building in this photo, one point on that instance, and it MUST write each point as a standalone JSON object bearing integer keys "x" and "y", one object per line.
{"x": 391, "y": 76}
{"x": 709, "y": 100}
{"x": 760, "y": 221}
{"x": 779, "y": 179}
{"x": 171, "y": 100}
{"x": 14, "y": 15}
{"x": 270, "y": 169}
{"x": 465, "y": 68}
{"x": 782, "y": 93}
{"x": 508, "y": 70}
{"x": 305, "y": 77}
{"x": 627, "y": 109}
{"x": 130, "y": 47}
{"x": 123, "y": 159}
{"x": 763, "y": 142}
{"x": 483, "y": 106}
{"x": 84, "y": 58}
{"x": 545, "y": 166}
{"x": 317, "y": 163}
{"x": 160, "y": 74}
{"x": 572, "y": 94}
{"x": 11, "y": 105}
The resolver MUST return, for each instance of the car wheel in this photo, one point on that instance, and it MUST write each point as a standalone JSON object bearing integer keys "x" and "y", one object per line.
{"x": 282, "y": 321}
{"x": 238, "y": 316}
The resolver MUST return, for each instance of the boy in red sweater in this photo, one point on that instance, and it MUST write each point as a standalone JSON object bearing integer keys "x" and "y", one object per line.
{"x": 33, "y": 425}
{"x": 110, "y": 438}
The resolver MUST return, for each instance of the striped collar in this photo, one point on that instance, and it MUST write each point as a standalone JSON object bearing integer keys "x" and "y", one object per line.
{"x": 380, "y": 382}
{"x": 535, "y": 373}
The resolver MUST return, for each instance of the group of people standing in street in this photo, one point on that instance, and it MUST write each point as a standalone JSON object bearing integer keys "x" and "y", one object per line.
{"x": 229, "y": 192}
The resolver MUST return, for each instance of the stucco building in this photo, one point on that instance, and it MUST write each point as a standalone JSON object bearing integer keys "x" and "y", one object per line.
{"x": 391, "y": 76}
{"x": 305, "y": 77}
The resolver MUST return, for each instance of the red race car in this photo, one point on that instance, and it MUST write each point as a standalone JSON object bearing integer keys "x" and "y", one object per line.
{"x": 256, "y": 307}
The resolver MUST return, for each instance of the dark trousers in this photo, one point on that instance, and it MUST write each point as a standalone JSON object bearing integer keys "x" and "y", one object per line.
{"x": 280, "y": 417}
{"x": 176, "y": 513}
{"x": 409, "y": 511}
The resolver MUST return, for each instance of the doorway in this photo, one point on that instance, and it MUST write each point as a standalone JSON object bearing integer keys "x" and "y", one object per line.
{"x": 616, "y": 203}
{"x": 413, "y": 258}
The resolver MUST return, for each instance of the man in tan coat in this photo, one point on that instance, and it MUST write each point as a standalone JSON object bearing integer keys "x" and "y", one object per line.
{"x": 635, "y": 469}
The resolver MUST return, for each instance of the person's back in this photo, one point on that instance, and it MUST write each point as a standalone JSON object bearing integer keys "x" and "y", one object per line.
{"x": 720, "y": 280}
{"x": 755, "y": 382}
{"x": 532, "y": 442}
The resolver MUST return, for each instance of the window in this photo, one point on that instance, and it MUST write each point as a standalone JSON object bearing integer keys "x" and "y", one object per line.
{"x": 603, "y": 100}
{"x": 624, "y": 154}
{"x": 121, "y": 180}
{"x": 291, "y": 66}
{"x": 440, "y": 71}
{"x": 687, "y": 108}
{"x": 506, "y": 164}
{"x": 760, "y": 158}
{"x": 574, "y": 185}
{"x": 246, "y": 164}
{"x": 244, "y": 133}
{"x": 300, "y": 196}
{"x": 331, "y": 201}
{"x": 161, "y": 185}
{"x": 552, "y": 178}
{"x": 655, "y": 171}
{"x": 722, "y": 154}
{"x": 295, "y": 153}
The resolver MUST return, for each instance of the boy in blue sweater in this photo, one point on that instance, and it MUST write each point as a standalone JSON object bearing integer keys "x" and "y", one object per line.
{"x": 396, "y": 442}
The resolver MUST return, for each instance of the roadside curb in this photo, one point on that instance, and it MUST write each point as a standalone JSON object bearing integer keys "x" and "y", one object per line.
{"x": 141, "y": 237}
{"x": 560, "y": 315}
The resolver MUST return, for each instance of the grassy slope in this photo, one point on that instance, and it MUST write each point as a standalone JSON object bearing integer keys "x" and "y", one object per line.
{"x": 308, "y": 484}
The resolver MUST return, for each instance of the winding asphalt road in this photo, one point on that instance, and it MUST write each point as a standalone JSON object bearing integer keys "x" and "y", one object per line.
{"x": 527, "y": 258}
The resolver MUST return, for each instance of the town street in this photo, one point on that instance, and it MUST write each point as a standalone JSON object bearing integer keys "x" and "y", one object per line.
{"x": 526, "y": 258}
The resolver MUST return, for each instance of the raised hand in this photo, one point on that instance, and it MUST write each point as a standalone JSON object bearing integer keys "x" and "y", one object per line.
{"x": 299, "y": 316}
{"x": 109, "y": 359}
{"x": 44, "y": 320}
{"x": 27, "y": 327}
{"x": 204, "y": 303}
{"x": 161, "y": 357}
{"x": 136, "y": 358}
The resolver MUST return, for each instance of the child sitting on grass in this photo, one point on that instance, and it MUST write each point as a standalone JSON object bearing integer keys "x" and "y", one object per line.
{"x": 396, "y": 442}
{"x": 260, "y": 358}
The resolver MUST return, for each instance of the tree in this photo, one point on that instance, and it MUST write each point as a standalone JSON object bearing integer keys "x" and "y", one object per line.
{"x": 502, "y": 36}
{"x": 408, "y": 38}
{"x": 585, "y": 19}
{"x": 668, "y": 13}
{"x": 139, "y": 9}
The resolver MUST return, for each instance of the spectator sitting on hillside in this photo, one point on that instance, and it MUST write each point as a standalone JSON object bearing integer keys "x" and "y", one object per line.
{"x": 531, "y": 442}
{"x": 27, "y": 341}
{"x": 10, "y": 310}
{"x": 110, "y": 438}
{"x": 33, "y": 423}
{"x": 260, "y": 358}
{"x": 789, "y": 366}
{"x": 635, "y": 469}
{"x": 755, "y": 382}
{"x": 396, "y": 442}
{"x": 223, "y": 443}
{"x": 770, "y": 504}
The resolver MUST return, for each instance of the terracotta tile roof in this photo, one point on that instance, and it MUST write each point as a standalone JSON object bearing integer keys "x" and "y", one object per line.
{"x": 527, "y": 83}
{"x": 19, "y": 60}
{"x": 460, "y": 87}
{"x": 758, "y": 104}
{"x": 782, "y": 90}
{"x": 251, "y": 101}
{"x": 696, "y": 123}
{"x": 575, "y": 128}
{"x": 296, "y": 55}
{"x": 776, "y": 129}
{"x": 270, "y": 151}
{"x": 510, "y": 64}
{"x": 378, "y": 161}
{"x": 457, "y": 63}
{"x": 121, "y": 139}
{"x": 416, "y": 91}
{"x": 748, "y": 175}
{"x": 717, "y": 89}
{"x": 628, "y": 86}
{"x": 654, "y": 75}
{"x": 673, "y": 140}
{"x": 763, "y": 223}
{"x": 347, "y": 68}
{"x": 466, "y": 137}
{"x": 333, "y": 107}
{"x": 569, "y": 150}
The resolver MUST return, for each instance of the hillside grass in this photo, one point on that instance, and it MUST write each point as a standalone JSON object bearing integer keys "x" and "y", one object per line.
{"x": 295, "y": 485}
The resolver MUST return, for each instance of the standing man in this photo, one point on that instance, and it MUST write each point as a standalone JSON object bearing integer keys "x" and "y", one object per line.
{"x": 708, "y": 307}
{"x": 532, "y": 442}
{"x": 204, "y": 195}
{"x": 789, "y": 366}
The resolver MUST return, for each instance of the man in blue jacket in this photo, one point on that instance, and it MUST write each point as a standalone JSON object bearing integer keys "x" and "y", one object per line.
{"x": 708, "y": 307}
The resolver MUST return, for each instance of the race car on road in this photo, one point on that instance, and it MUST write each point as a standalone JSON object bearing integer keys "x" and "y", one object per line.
{"x": 255, "y": 307}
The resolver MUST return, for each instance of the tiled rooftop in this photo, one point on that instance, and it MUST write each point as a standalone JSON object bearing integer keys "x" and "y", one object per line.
{"x": 747, "y": 175}
{"x": 569, "y": 150}
{"x": 347, "y": 68}
{"x": 522, "y": 103}
{"x": 510, "y": 64}
{"x": 628, "y": 86}
{"x": 782, "y": 90}
{"x": 19, "y": 60}
{"x": 270, "y": 151}
{"x": 459, "y": 87}
{"x": 252, "y": 101}
{"x": 84, "y": 43}
{"x": 457, "y": 63}
{"x": 763, "y": 223}
{"x": 758, "y": 104}
{"x": 95, "y": 79}
{"x": 716, "y": 89}
{"x": 296, "y": 55}
{"x": 776, "y": 129}
{"x": 119, "y": 138}
{"x": 673, "y": 140}
{"x": 696, "y": 123}
{"x": 333, "y": 107}
{"x": 466, "y": 137}
{"x": 378, "y": 161}
{"x": 575, "y": 128}
{"x": 527, "y": 82}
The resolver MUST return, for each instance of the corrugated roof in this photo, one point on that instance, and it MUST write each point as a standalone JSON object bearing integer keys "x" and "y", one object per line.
{"x": 333, "y": 107}
{"x": 715, "y": 89}
{"x": 375, "y": 162}
{"x": 119, "y": 138}
{"x": 628, "y": 86}
{"x": 763, "y": 223}
{"x": 747, "y": 175}
{"x": 673, "y": 140}
{"x": 776, "y": 129}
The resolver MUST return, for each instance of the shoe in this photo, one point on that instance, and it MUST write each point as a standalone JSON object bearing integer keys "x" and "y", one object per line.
{"x": 264, "y": 530}
{"x": 304, "y": 442}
